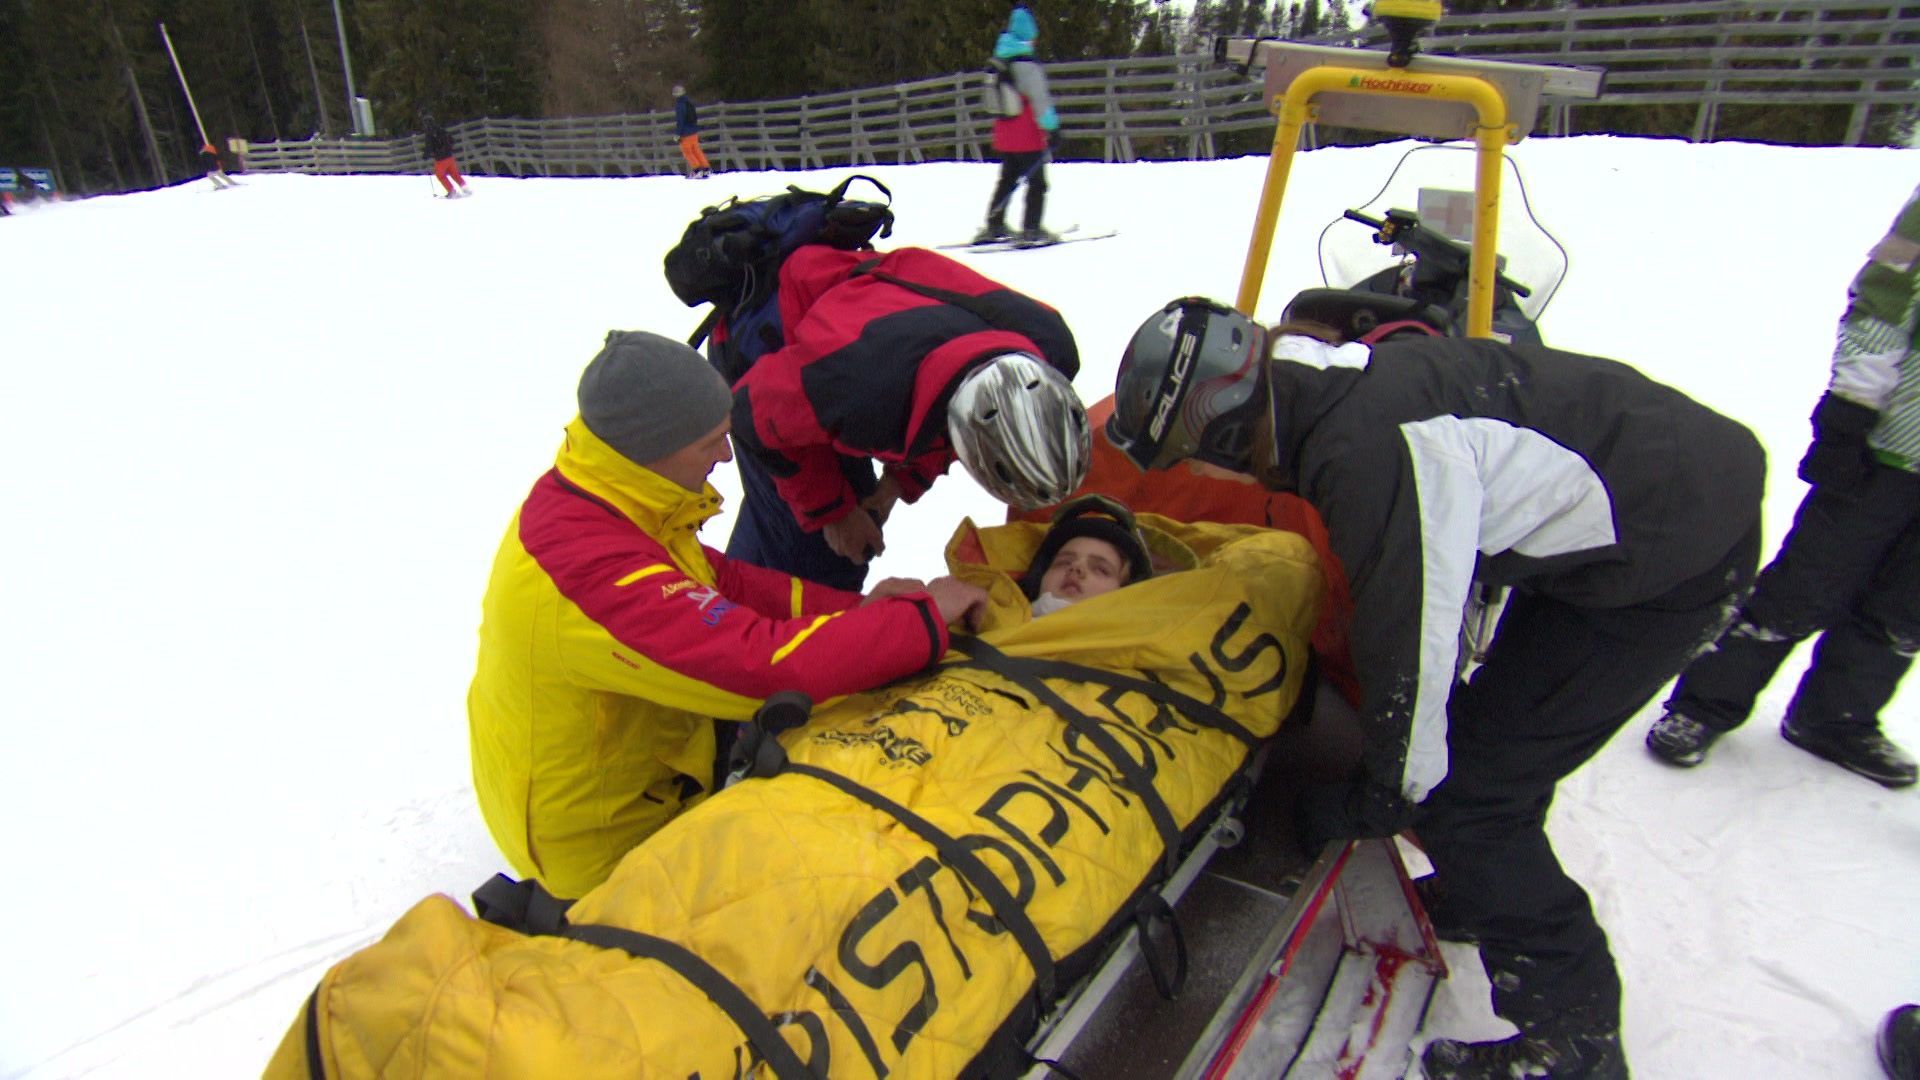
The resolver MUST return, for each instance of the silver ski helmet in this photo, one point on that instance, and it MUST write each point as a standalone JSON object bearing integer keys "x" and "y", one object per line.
{"x": 1020, "y": 430}
{"x": 1187, "y": 387}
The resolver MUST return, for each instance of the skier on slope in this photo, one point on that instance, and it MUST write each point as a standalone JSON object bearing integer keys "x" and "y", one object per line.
{"x": 210, "y": 161}
{"x": 439, "y": 147}
{"x": 1625, "y": 516}
{"x": 1024, "y": 141}
{"x": 686, "y": 126}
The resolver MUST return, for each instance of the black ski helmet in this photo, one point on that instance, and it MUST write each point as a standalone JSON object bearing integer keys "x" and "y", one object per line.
{"x": 1187, "y": 387}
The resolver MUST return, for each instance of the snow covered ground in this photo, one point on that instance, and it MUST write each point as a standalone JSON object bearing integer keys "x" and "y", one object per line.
{"x": 260, "y": 446}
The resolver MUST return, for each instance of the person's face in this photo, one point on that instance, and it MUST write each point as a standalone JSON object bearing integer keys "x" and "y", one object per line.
{"x": 1085, "y": 566}
{"x": 689, "y": 465}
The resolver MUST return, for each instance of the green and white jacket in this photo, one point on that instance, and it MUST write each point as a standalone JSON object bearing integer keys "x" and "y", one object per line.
{"x": 1877, "y": 360}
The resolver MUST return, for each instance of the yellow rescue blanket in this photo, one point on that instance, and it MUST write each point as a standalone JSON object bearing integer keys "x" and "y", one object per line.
{"x": 938, "y": 859}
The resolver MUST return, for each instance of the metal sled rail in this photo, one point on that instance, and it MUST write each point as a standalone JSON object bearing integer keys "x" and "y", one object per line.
{"x": 1298, "y": 968}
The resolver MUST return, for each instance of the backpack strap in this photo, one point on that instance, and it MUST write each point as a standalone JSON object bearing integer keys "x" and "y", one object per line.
{"x": 839, "y": 191}
{"x": 969, "y": 304}
{"x": 706, "y": 326}
{"x": 1055, "y": 344}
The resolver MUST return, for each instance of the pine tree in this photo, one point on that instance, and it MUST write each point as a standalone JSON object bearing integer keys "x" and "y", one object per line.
{"x": 456, "y": 59}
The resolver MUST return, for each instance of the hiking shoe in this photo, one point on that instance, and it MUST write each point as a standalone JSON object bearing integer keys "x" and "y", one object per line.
{"x": 1036, "y": 238}
{"x": 1447, "y": 926}
{"x": 992, "y": 233}
{"x": 1859, "y": 748}
{"x": 1680, "y": 740}
{"x": 1900, "y": 1043}
{"x": 1554, "y": 1057}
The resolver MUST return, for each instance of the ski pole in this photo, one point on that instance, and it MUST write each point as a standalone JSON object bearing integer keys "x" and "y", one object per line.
{"x": 204, "y": 141}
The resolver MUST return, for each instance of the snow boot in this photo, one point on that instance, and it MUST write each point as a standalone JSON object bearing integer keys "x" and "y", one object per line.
{"x": 1550, "y": 1057}
{"x": 1680, "y": 740}
{"x": 1900, "y": 1043}
{"x": 1447, "y": 926}
{"x": 993, "y": 232}
{"x": 1856, "y": 747}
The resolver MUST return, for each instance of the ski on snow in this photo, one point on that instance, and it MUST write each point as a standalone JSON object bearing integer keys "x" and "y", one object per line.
{"x": 1068, "y": 235}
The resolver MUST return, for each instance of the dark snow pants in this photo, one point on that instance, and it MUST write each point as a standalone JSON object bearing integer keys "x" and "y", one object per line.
{"x": 1558, "y": 681}
{"x": 766, "y": 534}
{"x": 1030, "y": 166}
{"x": 1851, "y": 568}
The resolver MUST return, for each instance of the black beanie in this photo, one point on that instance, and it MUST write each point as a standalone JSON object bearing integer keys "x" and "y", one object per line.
{"x": 1100, "y": 518}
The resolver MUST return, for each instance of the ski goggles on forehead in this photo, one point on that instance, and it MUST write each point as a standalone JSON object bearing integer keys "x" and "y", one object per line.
{"x": 1146, "y": 447}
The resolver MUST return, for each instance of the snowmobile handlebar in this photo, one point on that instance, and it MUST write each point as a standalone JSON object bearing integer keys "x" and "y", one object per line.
{"x": 1440, "y": 254}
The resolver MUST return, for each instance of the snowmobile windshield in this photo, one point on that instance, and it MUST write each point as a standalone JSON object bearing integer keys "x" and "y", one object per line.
{"x": 1435, "y": 183}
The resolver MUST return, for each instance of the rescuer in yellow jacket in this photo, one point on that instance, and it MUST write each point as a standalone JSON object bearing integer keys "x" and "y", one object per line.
{"x": 611, "y": 638}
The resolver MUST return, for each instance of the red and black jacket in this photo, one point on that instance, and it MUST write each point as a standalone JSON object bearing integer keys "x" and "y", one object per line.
{"x": 869, "y": 365}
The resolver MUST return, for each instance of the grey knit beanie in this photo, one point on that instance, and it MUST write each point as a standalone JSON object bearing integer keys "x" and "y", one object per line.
{"x": 647, "y": 396}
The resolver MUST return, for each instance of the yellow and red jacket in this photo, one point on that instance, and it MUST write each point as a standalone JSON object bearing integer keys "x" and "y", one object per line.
{"x": 611, "y": 638}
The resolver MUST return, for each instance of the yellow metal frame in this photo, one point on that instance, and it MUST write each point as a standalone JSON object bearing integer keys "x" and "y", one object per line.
{"x": 1491, "y": 135}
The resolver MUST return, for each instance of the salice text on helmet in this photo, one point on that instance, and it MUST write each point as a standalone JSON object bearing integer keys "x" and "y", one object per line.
{"x": 1176, "y": 382}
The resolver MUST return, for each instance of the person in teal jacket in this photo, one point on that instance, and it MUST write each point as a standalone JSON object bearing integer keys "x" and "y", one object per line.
{"x": 1025, "y": 140}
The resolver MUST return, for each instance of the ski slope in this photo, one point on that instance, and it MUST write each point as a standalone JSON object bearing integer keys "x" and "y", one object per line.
{"x": 261, "y": 444}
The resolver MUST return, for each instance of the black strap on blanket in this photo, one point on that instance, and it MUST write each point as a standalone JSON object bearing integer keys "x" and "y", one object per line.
{"x": 1196, "y": 711}
{"x": 757, "y": 751}
{"x": 316, "y": 1066}
{"x": 760, "y": 755}
{"x": 1133, "y": 776}
{"x": 525, "y": 906}
{"x": 746, "y": 1015}
{"x": 1153, "y": 910}
{"x": 529, "y": 908}
{"x": 964, "y": 862}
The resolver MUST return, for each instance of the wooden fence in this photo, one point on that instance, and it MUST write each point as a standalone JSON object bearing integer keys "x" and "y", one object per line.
{"x": 1704, "y": 55}
{"x": 1712, "y": 54}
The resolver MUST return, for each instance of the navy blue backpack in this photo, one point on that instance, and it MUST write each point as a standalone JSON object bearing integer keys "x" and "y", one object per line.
{"x": 730, "y": 257}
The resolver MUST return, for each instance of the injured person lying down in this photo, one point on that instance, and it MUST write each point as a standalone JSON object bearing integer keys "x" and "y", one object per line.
{"x": 1093, "y": 547}
{"x": 921, "y": 871}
